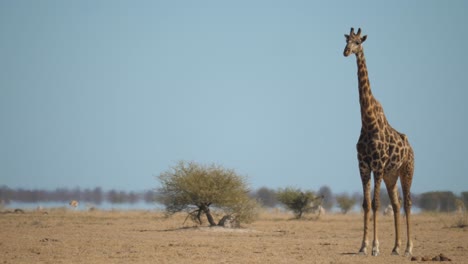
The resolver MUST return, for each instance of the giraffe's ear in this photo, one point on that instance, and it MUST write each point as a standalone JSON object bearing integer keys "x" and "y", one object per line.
{"x": 346, "y": 36}
{"x": 363, "y": 38}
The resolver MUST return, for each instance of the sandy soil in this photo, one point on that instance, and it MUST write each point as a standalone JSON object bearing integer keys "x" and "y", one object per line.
{"x": 64, "y": 236}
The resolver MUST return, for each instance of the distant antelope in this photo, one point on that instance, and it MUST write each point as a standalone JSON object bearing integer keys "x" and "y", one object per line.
{"x": 320, "y": 210}
{"x": 74, "y": 203}
{"x": 460, "y": 206}
{"x": 316, "y": 205}
{"x": 388, "y": 210}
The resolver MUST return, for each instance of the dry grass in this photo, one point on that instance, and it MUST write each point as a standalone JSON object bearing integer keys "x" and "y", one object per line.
{"x": 148, "y": 237}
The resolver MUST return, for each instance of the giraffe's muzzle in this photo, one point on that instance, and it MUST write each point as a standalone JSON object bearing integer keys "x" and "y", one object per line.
{"x": 346, "y": 52}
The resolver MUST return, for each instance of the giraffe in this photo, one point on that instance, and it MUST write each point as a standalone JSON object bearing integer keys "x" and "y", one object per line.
{"x": 382, "y": 151}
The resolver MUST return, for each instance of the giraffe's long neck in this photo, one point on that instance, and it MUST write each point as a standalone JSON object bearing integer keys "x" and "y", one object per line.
{"x": 369, "y": 105}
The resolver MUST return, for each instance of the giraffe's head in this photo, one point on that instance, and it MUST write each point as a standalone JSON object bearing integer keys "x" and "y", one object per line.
{"x": 353, "y": 42}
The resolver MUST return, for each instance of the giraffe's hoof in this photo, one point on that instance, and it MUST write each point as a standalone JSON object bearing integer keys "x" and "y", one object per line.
{"x": 375, "y": 252}
{"x": 395, "y": 253}
{"x": 408, "y": 251}
{"x": 363, "y": 251}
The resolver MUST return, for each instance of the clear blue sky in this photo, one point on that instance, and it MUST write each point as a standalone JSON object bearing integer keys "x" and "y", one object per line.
{"x": 112, "y": 93}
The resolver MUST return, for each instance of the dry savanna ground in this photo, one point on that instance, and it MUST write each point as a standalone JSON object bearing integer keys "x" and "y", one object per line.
{"x": 65, "y": 236}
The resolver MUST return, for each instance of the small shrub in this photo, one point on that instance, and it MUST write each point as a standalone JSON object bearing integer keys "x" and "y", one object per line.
{"x": 298, "y": 201}
{"x": 345, "y": 202}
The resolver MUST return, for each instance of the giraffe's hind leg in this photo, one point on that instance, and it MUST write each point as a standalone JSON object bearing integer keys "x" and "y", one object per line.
{"x": 392, "y": 189}
{"x": 406, "y": 178}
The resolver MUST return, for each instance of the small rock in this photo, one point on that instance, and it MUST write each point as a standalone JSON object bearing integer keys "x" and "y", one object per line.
{"x": 49, "y": 240}
{"x": 415, "y": 258}
{"x": 436, "y": 258}
{"x": 426, "y": 258}
{"x": 444, "y": 258}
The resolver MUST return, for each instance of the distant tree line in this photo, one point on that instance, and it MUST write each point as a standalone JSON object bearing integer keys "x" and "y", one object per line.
{"x": 94, "y": 196}
{"x": 442, "y": 201}
{"x": 436, "y": 201}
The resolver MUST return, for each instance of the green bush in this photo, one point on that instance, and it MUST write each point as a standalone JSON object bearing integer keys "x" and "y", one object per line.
{"x": 196, "y": 188}
{"x": 345, "y": 202}
{"x": 298, "y": 201}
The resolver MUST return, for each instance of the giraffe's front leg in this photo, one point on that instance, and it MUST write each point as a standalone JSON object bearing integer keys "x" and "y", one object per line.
{"x": 366, "y": 205}
{"x": 365, "y": 238}
{"x": 375, "y": 207}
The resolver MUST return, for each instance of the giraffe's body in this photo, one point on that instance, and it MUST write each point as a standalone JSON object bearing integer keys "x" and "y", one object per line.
{"x": 382, "y": 151}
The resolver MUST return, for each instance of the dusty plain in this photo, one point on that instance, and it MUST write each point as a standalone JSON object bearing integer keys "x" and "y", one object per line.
{"x": 66, "y": 236}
